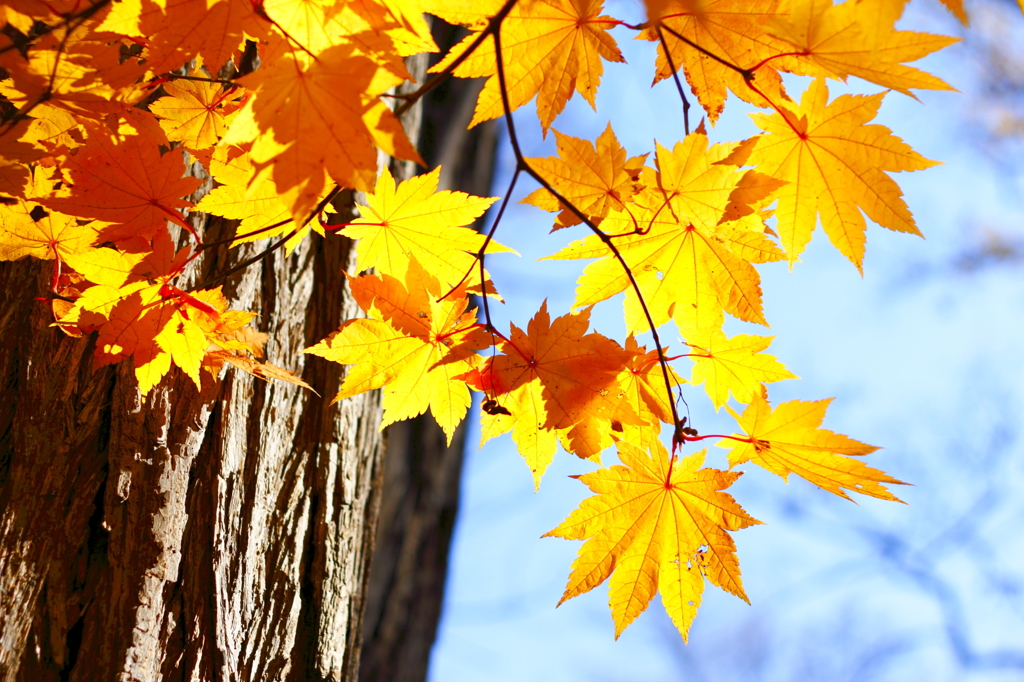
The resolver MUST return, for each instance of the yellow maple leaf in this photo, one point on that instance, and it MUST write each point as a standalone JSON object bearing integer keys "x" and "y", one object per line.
{"x": 596, "y": 179}
{"x": 735, "y": 365}
{"x": 474, "y": 14}
{"x": 196, "y": 113}
{"x": 732, "y": 30}
{"x": 415, "y": 221}
{"x": 834, "y": 164}
{"x": 252, "y": 199}
{"x": 384, "y": 30}
{"x": 550, "y": 48}
{"x": 413, "y": 346}
{"x": 26, "y": 229}
{"x": 682, "y": 255}
{"x": 787, "y": 440}
{"x": 855, "y": 39}
{"x": 657, "y": 524}
{"x": 55, "y": 130}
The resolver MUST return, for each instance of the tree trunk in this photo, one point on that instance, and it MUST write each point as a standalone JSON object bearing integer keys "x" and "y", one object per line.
{"x": 222, "y": 535}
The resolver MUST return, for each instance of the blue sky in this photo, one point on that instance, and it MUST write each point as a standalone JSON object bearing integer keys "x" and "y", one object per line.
{"x": 922, "y": 356}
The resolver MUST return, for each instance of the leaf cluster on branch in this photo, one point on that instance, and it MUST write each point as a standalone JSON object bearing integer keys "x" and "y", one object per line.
{"x": 106, "y": 104}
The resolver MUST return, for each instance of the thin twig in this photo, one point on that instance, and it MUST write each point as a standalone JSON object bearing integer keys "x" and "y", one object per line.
{"x": 675, "y": 77}
{"x": 276, "y": 245}
{"x": 410, "y": 98}
{"x": 746, "y": 73}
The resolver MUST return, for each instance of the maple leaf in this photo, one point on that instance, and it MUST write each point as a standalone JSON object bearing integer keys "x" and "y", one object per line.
{"x": 732, "y": 30}
{"x": 239, "y": 345}
{"x": 556, "y": 378}
{"x": 252, "y": 199}
{"x": 128, "y": 184}
{"x": 656, "y": 524}
{"x": 27, "y": 230}
{"x": 682, "y": 256}
{"x": 310, "y": 117}
{"x": 176, "y": 31}
{"x": 79, "y": 73}
{"x": 415, "y": 221}
{"x": 856, "y": 39}
{"x": 474, "y": 14}
{"x": 595, "y": 179}
{"x": 550, "y": 48}
{"x": 150, "y": 330}
{"x": 384, "y": 31}
{"x": 195, "y": 113}
{"x": 735, "y": 365}
{"x": 834, "y": 165}
{"x": 412, "y": 345}
{"x": 787, "y": 440}
{"x": 643, "y": 383}
{"x": 54, "y": 133}
{"x": 138, "y": 313}
{"x": 957, "y": 8}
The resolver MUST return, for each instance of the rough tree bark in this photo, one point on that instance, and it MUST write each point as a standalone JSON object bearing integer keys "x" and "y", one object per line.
{"x": 222, "y": 535}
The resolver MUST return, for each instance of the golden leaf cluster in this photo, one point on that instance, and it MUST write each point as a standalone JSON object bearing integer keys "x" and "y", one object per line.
{"x": 109, "y": 108}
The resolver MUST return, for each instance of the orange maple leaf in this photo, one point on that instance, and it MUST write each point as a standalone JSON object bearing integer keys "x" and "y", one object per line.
{"x": 233, "y": 342}
{"x": 413, "y": 346}
{"x": 550, "y": 48}
{"x": 787, "y": 440}
{"x": 128, "y": 184}
{"x": 176, "y": 31}
{"x": 80, "y": 73}
{"x": 153, "y": 332}
{"x": 555, "y": 379}
{"x": 140, "y": 314}
{"x": 643, "y": 383}
{"x": 834, "y": 165}
{"x": 310, "y": 116}
{"x": 655, "y": 525}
